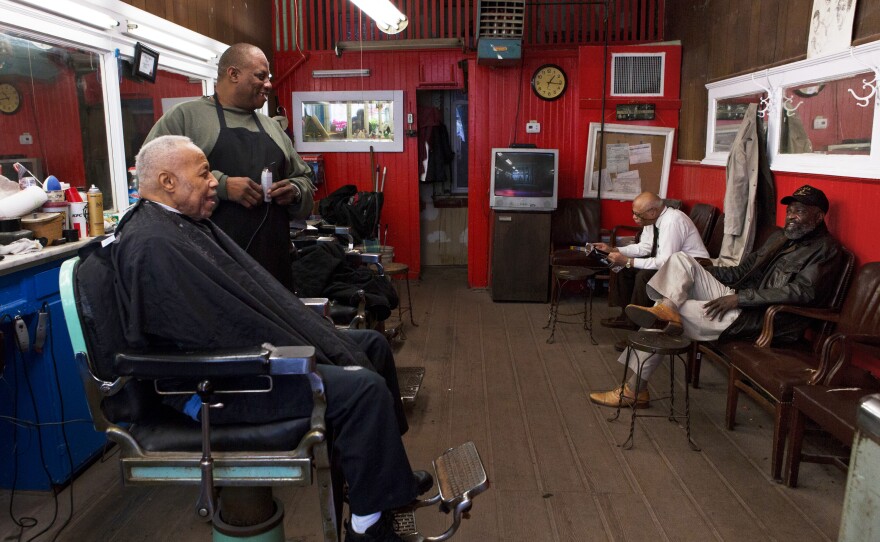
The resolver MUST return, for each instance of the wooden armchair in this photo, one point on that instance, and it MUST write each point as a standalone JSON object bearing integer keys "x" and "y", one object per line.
{"x": 769, "y": 374}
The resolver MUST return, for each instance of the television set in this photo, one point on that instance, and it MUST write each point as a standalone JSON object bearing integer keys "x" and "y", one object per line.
{"x": 524, "y": 179}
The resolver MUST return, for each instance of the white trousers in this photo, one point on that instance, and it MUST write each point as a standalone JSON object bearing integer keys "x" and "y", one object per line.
{"x": 683, "y": 283}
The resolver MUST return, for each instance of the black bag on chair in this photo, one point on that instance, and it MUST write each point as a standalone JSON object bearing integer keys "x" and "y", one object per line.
{"x": 358, "y": 210}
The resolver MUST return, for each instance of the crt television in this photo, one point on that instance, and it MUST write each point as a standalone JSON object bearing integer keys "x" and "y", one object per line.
{"x": 524, "y": 179}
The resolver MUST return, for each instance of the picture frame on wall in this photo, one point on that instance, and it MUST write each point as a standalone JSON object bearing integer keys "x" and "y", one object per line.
{"x": 624, "y": 161}
{"x": 145, "y": 63}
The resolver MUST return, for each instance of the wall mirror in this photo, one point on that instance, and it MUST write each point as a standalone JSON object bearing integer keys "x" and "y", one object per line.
{"x": 348, "y": 121}
{"x": 627, "y": 160}
{"x": 821, "y": 113}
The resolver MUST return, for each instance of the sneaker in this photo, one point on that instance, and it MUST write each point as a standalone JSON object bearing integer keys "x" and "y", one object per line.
{"x": 381, "y": 531}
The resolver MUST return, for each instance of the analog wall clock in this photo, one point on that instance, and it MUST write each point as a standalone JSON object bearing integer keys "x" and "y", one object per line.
{"x": 10, "y": 99}
{"x": 549, "y": 82}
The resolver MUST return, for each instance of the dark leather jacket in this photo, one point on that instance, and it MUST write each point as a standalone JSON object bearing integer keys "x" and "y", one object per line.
{"x": 800, "y": 272}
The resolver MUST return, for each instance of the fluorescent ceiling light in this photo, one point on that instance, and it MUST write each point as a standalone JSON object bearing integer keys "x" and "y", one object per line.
{"x": 322, "y": 74}
{"x": 75, "y": 11}
{"x": 398, "y": 45}
{"x": 164, "y": 39}
{"x": 387, "y": 17}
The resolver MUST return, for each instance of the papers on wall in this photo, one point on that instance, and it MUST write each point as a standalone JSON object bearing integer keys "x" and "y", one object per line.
{"x": 640, "y": 154}
{"x": 628, "y": 182}
{"x": 617, "y": 157}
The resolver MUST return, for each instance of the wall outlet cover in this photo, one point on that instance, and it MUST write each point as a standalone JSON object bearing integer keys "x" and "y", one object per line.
{"x": 533, "y": 127}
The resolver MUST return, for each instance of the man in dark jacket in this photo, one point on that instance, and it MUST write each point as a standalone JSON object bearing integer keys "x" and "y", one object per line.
{"x": 795, "y": 267}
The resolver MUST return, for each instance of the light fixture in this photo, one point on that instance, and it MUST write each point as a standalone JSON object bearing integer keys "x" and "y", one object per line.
{"x": 168, "y": 41}
{"x": 75, "y": 11}
{"x": 398, "y": 45}
{"x": 388, "y": 18}
{"x": 323, "y": 74}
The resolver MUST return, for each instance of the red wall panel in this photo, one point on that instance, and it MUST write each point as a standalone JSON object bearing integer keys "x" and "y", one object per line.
{"x": 50, "y": 113}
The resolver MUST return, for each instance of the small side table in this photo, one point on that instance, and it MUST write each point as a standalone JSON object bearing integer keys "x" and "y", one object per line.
{"x": 656, "y": 342}
{"x": 398, "y": 271}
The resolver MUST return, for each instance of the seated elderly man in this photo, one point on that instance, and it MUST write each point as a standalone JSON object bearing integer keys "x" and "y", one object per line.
{"x": 796, "y": 266}
{"x": 665, "y": 231}
{"x": 181, "y": 282}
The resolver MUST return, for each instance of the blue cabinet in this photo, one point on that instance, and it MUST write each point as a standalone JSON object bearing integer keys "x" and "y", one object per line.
{"x": 40, "y": 387}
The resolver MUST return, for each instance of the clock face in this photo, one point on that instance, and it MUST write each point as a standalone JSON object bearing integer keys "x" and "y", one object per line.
{"x": 549, "y": 82}
{"x": 10, "y": 99}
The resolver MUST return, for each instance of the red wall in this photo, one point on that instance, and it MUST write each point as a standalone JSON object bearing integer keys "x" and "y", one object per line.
{"x": 495, "y": 95}
{"x": 852, "y": 200}
{"x": 50, "y": 113}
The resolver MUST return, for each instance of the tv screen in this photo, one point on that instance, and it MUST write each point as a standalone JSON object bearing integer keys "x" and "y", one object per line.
{"x": 524, "y": 179}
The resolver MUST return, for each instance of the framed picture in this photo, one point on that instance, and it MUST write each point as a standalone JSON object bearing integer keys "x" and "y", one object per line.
{"x": 627, "y": 160}
{"x": 146, "y": 62}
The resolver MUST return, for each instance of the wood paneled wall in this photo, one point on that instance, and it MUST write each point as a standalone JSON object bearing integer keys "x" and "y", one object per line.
{"x": 228, "y": 21}
{"x": 725, "y": 38}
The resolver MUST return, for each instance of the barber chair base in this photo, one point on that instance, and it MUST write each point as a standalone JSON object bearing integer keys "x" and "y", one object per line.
{"x": 271, "y": 530}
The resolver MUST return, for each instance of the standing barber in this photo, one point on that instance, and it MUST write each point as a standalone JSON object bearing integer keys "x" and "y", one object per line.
{"x": 239, "y": 143}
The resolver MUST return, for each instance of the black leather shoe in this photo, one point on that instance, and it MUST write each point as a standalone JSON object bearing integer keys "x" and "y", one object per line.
{"x": 381, "y": 531}
{"x": 424, "y": 481}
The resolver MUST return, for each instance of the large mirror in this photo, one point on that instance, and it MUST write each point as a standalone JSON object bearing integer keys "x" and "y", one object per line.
{"x": 52, "y": 116}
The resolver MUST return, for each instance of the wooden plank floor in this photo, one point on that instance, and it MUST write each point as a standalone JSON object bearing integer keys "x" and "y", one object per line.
{"x": 556, "y": 471}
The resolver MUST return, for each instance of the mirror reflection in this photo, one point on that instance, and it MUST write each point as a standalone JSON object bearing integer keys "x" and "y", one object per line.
{"x": 827, "y": 118}
{"x": 52, "y": 113}
{"x": 347, "y": 120}
{"x": 729, "y": 113}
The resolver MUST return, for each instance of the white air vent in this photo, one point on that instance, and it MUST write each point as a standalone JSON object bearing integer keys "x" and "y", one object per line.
{"x": 637, "y": 74}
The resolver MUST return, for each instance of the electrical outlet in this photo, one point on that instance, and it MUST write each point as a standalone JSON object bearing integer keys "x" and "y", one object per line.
{"x": 26, "y": 139}
{"x": 409, "y": 118}
{"x": 820, "y": 123}
{"x": 533, "y": 127}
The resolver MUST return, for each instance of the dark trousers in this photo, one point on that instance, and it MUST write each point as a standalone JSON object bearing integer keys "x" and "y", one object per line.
{"x": 377, "y": 349}
{"x": 630, "y": 286}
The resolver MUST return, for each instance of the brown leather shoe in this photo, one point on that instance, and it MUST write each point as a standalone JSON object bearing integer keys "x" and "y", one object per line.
{"x": 620, "y": 345}
{"x": 650, "y": 317}
{"x": 613, "y": 397}
{"x": 618, "y": 322}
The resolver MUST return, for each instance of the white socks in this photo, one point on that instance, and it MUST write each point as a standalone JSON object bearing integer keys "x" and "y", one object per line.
{"x": 360, "y": 524}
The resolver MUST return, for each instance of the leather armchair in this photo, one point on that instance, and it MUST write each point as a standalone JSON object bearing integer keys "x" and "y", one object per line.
{"x": 769, "y": 374}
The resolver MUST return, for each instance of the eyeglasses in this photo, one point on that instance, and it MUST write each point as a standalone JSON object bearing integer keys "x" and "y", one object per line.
{"x": 641, "y": 216}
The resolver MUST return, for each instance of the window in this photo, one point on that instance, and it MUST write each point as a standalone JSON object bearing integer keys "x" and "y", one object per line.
{"x": 349, "y": 121}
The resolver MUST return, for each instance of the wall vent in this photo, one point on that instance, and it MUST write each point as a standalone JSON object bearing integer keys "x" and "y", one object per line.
{"x": 637, "y": 74}
{"x": 500, "y": 26}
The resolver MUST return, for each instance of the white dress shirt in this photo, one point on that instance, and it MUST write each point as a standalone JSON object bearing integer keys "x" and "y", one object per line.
{"x": 677, "y": 234}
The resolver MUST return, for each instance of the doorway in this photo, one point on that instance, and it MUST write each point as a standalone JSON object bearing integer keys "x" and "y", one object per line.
{"x": 443, "y": 176}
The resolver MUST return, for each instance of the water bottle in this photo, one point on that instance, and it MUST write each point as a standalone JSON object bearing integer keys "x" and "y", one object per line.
{"x": 133, "y": 195}
{"x": 96, "y": 211}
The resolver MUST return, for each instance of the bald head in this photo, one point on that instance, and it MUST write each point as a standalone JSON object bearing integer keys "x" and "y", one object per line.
{"x": 236, "y": 56}
{"x": 646, "y": 208}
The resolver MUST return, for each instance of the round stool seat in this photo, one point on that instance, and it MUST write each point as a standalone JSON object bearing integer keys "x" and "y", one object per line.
{"x": 566, "y": 272}
{"x": 395, "y": 268}
{"x": 657, "y": 342}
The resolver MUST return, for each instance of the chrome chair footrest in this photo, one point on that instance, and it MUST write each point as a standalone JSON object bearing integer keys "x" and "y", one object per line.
{"x": 410, "y": 381}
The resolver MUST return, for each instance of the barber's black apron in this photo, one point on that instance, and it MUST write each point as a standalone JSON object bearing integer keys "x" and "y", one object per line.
{"x": 264, "y": 230}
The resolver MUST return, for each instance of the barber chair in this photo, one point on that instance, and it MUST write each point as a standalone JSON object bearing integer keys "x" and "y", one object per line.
{"x": 234, "y": 465}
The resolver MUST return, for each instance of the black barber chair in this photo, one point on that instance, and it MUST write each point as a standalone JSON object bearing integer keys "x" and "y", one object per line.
{"x": 234, "y": 465}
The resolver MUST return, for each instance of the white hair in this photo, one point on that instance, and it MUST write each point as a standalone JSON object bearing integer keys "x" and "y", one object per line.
{"x": 157, "y": 155}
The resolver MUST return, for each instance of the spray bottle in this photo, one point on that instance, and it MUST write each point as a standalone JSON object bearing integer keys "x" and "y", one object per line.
{"x": 96, "y": 211}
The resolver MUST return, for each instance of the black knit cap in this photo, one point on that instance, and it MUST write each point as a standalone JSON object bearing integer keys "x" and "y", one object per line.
{"x": 808, "y": 196}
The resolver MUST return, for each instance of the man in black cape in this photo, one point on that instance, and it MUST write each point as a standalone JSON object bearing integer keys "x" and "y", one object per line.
{"x": 179, "y": 281}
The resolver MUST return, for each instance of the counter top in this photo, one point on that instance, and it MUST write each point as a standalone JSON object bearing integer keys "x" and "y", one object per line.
{"x": 13, "y": 263}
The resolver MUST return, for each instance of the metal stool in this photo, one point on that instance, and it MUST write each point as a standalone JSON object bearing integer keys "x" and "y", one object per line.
{"x": 562, "y": 275}
{"x": 656, "y": 342}
{"x": 395, "y": 270}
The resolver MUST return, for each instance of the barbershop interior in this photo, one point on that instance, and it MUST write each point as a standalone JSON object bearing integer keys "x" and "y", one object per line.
{"x": 588, "y": 269}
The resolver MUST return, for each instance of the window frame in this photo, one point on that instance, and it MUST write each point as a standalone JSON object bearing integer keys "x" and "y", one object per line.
{"x": 861, "y": 59}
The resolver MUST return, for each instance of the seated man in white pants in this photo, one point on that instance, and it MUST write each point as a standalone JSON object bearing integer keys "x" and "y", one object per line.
{"x": 796, "y": 267}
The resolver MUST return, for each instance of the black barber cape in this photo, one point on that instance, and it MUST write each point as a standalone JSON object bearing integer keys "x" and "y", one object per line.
{"x": 186, "y": 284}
